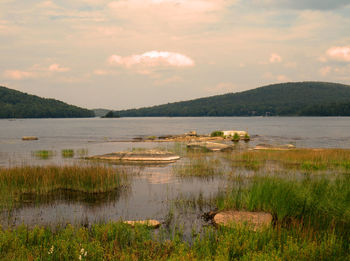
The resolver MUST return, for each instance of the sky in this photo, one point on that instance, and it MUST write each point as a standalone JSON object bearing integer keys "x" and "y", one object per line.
{"x": 120, "y": 54}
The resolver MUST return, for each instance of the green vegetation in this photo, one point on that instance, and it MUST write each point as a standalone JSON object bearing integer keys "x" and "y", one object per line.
{"x": 286, "y": 99}
{"x": 15, "y": 104}
{"x": 17, "y": 181}
{"x": 236, "y": 137}
{"x": 302, "y": 159}
{"x": 217, "y": 134}
{"x": 67, "y": 153}
{"x": 100, "y": 112}
{"x": 118, "y": 241}
{"x": 43, "y": 154}
{"x": 111, "y": 114}
{"x": 308, "y": 198}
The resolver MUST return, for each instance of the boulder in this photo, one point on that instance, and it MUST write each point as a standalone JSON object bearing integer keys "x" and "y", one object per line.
{"x": 29, "y": 138}
{"x": 211, "y": 146}
{"x": 254, "y": 220}
{"x": 152, "y": 156}
{"x": 149, "y": 223}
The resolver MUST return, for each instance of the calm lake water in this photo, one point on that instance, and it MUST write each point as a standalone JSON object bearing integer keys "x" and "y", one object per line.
{"x": 153, "y": 188}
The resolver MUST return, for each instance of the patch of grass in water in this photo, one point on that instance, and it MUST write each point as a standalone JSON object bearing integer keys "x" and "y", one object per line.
{"x": 199, "y": 167}
{"x": 43, "y": 154}
{"x": 67, "y": 153}
{"x": 41, "y": 180}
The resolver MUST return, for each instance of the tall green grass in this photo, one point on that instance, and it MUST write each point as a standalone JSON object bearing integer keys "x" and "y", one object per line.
{"x": 118, "y": 241}
{"x": 304, "y": 159}
{"x": 40, "y": 180}
{"x": 318, "y": 203}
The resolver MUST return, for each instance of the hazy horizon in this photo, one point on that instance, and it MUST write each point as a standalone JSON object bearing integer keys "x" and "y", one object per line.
{"x": 132, "y": 53}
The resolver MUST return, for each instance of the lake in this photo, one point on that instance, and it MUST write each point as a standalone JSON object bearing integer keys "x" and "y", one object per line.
{"x": 154, "y": 187}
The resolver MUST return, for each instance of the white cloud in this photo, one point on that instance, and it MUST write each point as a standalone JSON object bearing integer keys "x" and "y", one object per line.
{"x": 18, "y": 74}
{"x": 35, "y": 71}
{"x": 57, "y": 68}
{"x": 152, "y": 59}
{"x": 339, "y": 53}
{"x": 275, "y": 58}
{"x": 324, "y": 71}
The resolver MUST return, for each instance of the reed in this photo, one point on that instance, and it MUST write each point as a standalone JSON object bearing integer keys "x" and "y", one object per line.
{"x": 39, "y": 180}
{"x": 199, "y": 167}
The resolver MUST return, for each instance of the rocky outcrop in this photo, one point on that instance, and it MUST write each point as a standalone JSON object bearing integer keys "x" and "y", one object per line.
{"x": 210, "y": 146}
{"x": 272, "y": 147}
{"x": 254, "y": 220}
{"x": 152, "y": 156}
{"x": 29, "y": 138}
{"x": 231, "y": 133}
{"x": 149, "y": 223}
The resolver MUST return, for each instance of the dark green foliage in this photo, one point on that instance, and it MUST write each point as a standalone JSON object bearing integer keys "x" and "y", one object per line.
{"x": 15, "y": 104}
{"x": 111, "y": 114}
{"x": 217, "y": 134}
{"x": 286, "y": 99}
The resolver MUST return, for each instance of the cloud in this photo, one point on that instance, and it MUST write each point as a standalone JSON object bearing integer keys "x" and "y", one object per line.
{"x": 302, "y": 4}
{"x": 57, "y": 68}
{"x": 275, "y": 58}
{"x": 276, "y": 78}
{"x": 324, "y": 71}
{"x": 34, "y": 72}
{"x": 339, "y": 53}
{"x": 18, "y": 75}
{"x": 152, "y": 59}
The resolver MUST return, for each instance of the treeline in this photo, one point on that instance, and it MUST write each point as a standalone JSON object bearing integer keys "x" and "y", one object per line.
{"x": 287, "y": 99}
{"x": 15, "y": 104}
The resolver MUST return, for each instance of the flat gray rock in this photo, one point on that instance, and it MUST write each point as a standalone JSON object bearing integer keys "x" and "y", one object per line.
{"x": 139, "y": 156}
{"x": 211, "y": 146}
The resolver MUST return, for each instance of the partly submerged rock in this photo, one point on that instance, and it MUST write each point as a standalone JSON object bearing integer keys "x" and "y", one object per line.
{"x": 272, "y": 147}
{"x": 151, "y": 156}
{"x": 211, "y": 146}
{"x": 254, "y": 220}
{"x": 149, "y": 223}
{"x": 30, "y": 138}
{"x": 231, "y": 133}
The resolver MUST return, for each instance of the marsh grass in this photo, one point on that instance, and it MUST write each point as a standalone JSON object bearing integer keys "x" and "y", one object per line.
{"x": 302, "y": 159}
{"x": 318, "y": 203}
{"x": 41, "y": 180}
{"x": 67, "y": 153}
{"x": 199, "y": 167}
{"x": 118, "y": 241}
{"x": 43, "y": 154}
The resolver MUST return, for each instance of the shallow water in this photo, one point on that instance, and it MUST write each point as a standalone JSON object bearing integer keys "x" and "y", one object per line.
{"x": 154, "y": 189}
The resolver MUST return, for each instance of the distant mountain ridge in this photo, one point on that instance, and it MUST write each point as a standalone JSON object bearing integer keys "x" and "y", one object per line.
{"x": 16, "y": 104}
{"x": 285, "y": 99}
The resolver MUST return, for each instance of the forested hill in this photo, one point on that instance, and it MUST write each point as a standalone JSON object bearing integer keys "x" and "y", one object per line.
{"x": 285, "y": 99}
{"x": 15, "y": 104}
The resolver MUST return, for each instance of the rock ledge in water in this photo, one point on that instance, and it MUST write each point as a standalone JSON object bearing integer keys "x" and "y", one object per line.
{"x": 29, "y": 138}
{"x": 211, "y": 146}
{"x": 255, "y": 220}
{"x": 153, "y": 156}
{"x": 271, "y": 147}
